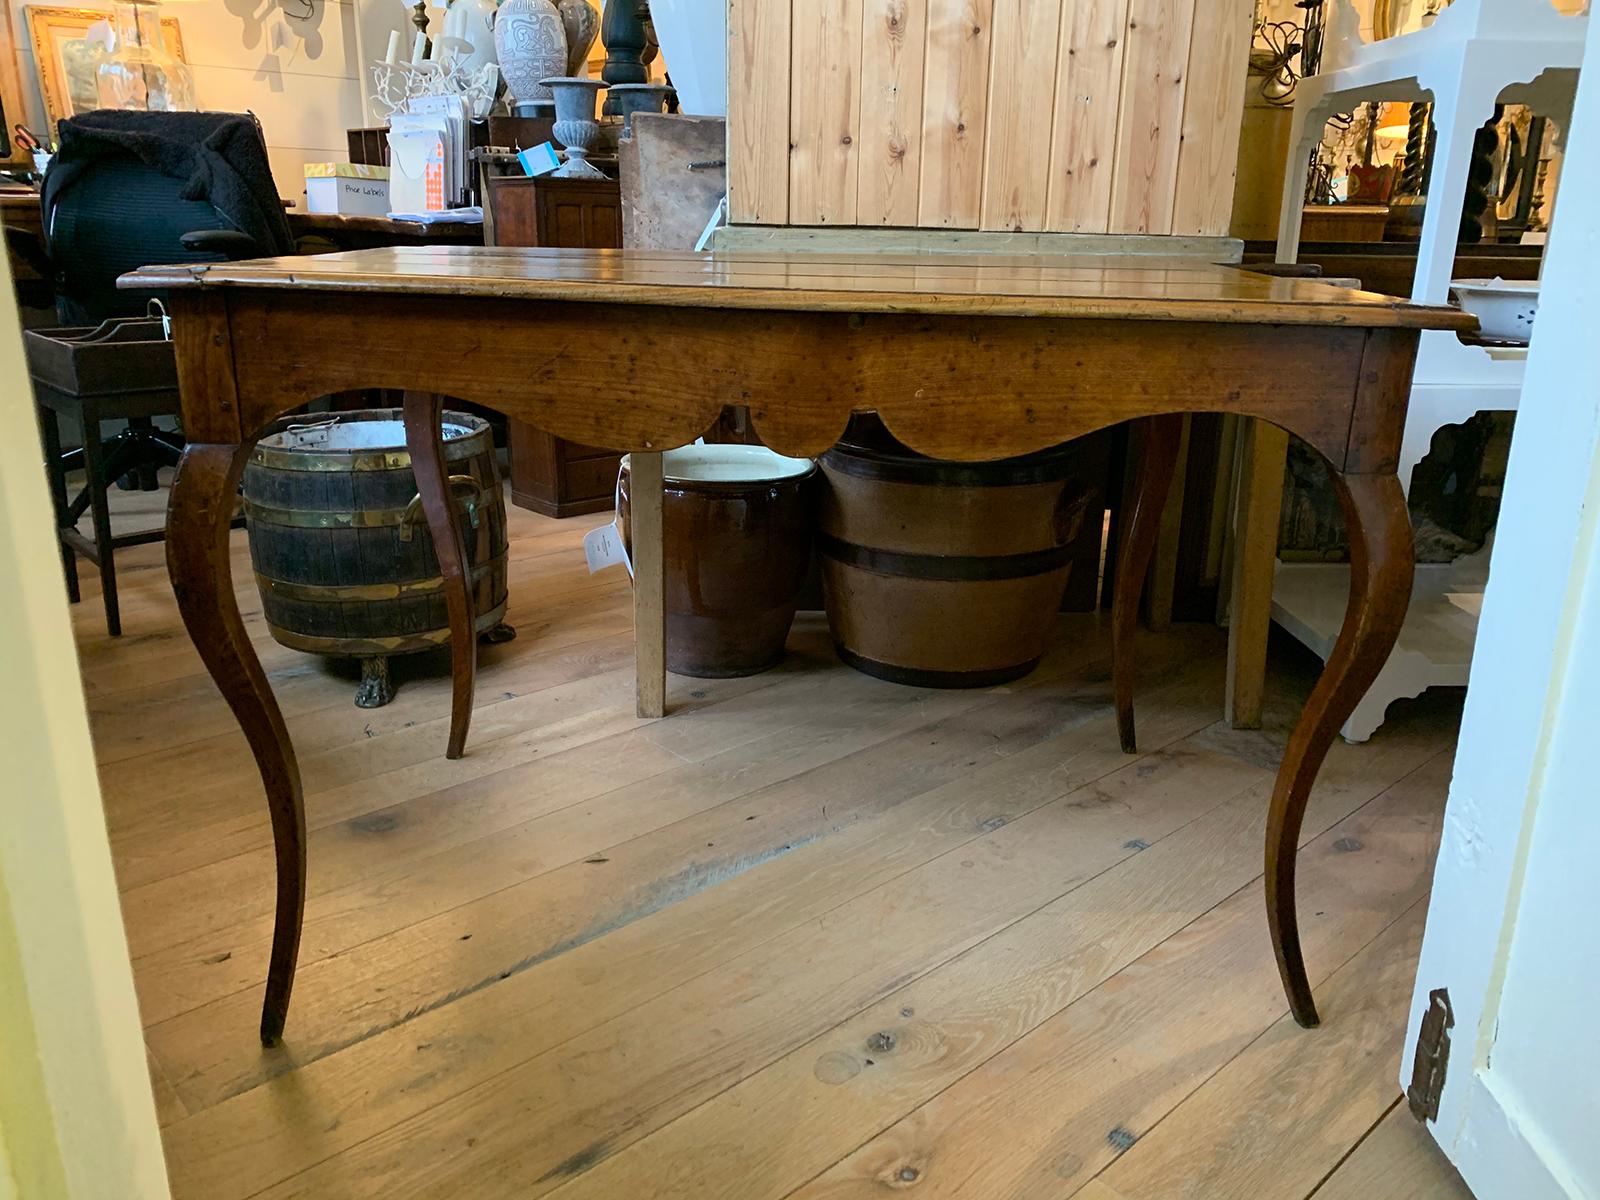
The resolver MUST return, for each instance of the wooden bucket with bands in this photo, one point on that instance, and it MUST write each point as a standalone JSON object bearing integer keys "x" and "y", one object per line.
{"x": 944, "y": 574}
{"x": 341, "y": 548}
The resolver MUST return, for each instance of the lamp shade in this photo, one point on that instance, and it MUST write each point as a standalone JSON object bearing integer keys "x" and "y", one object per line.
{"x": 1393, "y": 121}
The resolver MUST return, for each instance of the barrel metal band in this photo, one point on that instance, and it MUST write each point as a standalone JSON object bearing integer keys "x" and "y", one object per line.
{"x": 363, "y": 647}
{"x": 316, "y": 518}
{"x": 949, "y": 568}
{"x": 396, "y": 459}
{"x": 318, "y": 593}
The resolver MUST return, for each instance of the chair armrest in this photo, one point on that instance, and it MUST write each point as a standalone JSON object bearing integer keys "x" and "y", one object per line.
{"x": 228, "y": 242}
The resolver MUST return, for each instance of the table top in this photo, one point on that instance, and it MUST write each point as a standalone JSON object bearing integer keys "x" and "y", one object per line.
{"x": 1122, "y": 287}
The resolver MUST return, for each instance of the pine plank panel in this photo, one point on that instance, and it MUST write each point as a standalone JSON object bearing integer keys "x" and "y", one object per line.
{"x": 1219, "y": 51}
{"x": 576, "y": 991}
{"x": 825, "y": 113}
{"x": 1279, "y": 1117}
{"x": 380, "y": 890}
{"x": 1104, "y": 1071}
{"x": 758, "y": 111}
{"x": 378, "y": 984}
{"x": 227, "y": 820}
{"x": 1088, "y": 98}
{"x": 161, "y": 717}
{"x": 168, "y": 1107}
{"x": 893, "y": 41}
{"x": 1397, "y": 1155}
{"x": 884, "y": 1062}
{"x": 1150, "y": 117}
{"x": 598, "y": 1092}
{"x": 954, "y": 113}
{"x": 1022, "y": 92}
{"x": 230, "y": 1149}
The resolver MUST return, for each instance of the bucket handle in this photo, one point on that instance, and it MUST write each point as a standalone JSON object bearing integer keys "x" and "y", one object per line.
{"x": 460, "y": 485}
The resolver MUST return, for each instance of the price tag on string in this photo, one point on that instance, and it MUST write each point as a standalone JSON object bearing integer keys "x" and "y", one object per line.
{"x": 603, "y": 548}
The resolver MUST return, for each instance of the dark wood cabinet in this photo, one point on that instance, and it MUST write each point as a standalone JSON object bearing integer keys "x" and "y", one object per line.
{"x": 542, "y": 211}
{"x": 549, "y": 474}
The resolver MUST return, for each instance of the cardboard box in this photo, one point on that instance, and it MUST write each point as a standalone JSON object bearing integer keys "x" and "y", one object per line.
{"x": 353, "y": 189}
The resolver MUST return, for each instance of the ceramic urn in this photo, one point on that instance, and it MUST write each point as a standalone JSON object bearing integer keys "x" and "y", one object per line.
{"x": 582, "y": 25}
{"x": 532, "y": 44}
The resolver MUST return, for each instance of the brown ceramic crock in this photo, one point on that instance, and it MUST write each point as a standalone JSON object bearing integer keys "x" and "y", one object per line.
{"x": 737, "y": 523}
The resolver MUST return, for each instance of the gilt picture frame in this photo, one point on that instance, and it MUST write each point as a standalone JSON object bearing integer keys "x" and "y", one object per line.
{"x": 66, "y": 61}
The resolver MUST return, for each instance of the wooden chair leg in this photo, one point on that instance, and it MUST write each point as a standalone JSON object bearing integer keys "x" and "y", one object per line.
{"x": 1157, "y": 462}
{"x": 424, "y": 413}
{"x": 55, "y": 469}
{"x": 100, "y": 513}
{"x": 1381, "y": 572}
{"x": 198, "y": 518}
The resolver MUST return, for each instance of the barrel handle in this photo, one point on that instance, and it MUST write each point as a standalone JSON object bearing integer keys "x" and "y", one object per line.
{"x": 460, "y": 485}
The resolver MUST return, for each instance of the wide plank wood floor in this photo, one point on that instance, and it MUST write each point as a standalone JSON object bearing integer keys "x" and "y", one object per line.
{"x": 812, "y": 935}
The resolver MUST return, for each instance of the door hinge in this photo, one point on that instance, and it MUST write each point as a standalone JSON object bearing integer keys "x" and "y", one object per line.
{"x": 1433, "y": 1056}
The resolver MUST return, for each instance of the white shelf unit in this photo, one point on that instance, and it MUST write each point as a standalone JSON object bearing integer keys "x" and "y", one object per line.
{"x": 1476, "y": 54}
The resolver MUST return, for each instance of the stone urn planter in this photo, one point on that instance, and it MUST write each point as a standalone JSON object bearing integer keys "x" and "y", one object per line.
{"x": 629, "y": 98}
{"x": 575, "y": 126}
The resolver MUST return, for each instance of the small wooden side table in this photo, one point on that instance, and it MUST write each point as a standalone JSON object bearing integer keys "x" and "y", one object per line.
{"x": 968, "y": 358}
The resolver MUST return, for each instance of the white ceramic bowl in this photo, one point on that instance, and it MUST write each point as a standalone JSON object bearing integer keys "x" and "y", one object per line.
{"x": 1505, "y": 308}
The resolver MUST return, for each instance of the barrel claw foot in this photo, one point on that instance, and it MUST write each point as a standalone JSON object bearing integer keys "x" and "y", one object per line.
{"x": 375, "y": 690}
{"x": 497, "y": 634}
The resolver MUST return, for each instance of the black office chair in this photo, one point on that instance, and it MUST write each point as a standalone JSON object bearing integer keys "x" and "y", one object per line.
{"x": 125, "y": 190}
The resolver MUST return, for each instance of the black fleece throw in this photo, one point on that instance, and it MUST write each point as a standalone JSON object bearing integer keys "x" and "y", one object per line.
{"x": 219, "y": 156}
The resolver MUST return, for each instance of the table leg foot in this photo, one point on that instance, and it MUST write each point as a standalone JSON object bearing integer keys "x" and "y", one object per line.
{"x": 1157, "y": 462}
{"x": 425, "y": 440}
{"x": 200, "y": 513}
{"x": 1380, "y": 590}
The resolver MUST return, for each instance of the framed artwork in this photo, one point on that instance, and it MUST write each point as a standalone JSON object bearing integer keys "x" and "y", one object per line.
{"x": 67, "y": 59}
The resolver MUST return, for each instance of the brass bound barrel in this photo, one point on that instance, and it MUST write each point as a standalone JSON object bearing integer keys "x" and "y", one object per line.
{"x": 341, "y": 548}
{"x": 944, "y": 574}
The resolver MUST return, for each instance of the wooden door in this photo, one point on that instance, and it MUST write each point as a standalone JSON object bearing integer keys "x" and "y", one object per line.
{"x": 1502, "y": 1015}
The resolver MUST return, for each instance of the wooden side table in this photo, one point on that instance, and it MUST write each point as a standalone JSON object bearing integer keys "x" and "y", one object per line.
{"x": 962, "y": 358}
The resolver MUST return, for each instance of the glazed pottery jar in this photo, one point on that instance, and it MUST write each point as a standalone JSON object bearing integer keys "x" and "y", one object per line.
{"x": 532, "y": 45}
{"x": 737, "y": 526}
{"x": 582, "y": 25}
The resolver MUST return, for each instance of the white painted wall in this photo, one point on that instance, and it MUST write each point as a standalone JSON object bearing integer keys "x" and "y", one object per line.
{"x": 77, "y": 1120}
{"x": 299, "y": 76}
